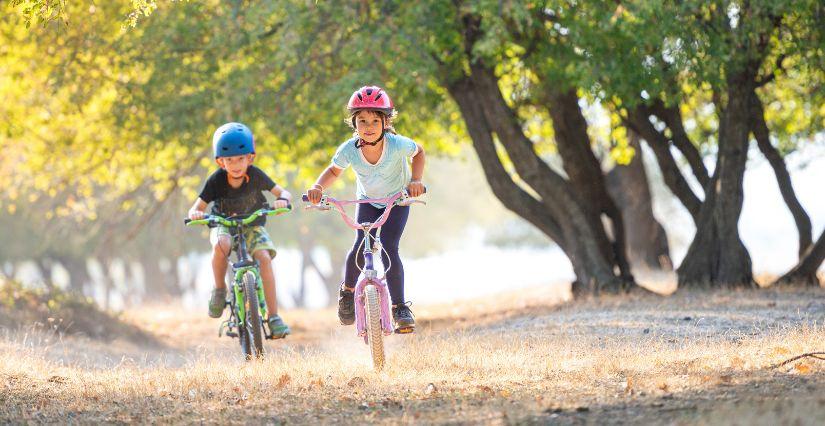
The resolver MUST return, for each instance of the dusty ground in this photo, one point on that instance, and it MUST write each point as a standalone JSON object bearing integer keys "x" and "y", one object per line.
{"x": 519, "y": 358}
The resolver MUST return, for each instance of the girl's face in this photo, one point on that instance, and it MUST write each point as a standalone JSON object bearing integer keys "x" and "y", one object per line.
{"x": 369, "y": 125}
{"x": 236, "y": 166}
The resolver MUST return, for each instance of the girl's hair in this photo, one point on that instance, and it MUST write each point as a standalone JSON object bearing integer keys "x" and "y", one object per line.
{"x": 387, "y": 119}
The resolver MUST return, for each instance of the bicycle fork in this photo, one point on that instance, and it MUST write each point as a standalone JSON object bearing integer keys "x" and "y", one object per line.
{"x": 371, "y": 278}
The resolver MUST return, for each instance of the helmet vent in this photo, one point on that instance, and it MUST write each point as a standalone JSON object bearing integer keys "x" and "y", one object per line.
{"x": 360, "y": 98}
{"x": 369, "y": 92}
{"x": 378, "y": 97}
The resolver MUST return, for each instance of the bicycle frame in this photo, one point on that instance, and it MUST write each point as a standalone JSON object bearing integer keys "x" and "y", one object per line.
{"x": 370, "y": 274}
{"x": 244, "y": 264}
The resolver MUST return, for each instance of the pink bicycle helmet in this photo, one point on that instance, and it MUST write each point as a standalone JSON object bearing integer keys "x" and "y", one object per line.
{"x": 371, "y": 98}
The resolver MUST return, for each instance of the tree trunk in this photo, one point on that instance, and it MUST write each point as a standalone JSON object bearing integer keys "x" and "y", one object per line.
{"x": 555, "y": 216}
{"x": 783, "y": 178}
{"x": 78, "y": 273}
{"x": 333, "y": 280}
{"x": 305, "y": 245}
{"x": 805, "y": 271}
{"x": 584, "y": 171}
{"x": 44, "y": 266}
{"x": 717, "y": 256}
{"x": 159, "y": 284}
{"x": 647, "y": 240}
{"x": 638, "y": 120}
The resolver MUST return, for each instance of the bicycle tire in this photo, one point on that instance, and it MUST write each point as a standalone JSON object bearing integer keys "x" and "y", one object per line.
{"x": 253, "y": 321}
{"x": 243, "y": 337}
{"x": 375, "y": 333}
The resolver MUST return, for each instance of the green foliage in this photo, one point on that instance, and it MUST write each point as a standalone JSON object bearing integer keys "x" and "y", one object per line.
{"x": 103, "y": 119}
{"x": 42, "y": 11}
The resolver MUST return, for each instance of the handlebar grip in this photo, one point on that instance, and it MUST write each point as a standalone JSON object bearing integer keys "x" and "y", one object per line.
{"x": 186, "y": 221}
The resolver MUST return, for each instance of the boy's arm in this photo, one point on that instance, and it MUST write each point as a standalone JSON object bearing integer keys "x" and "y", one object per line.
{"x": 416, "y": 188}
{"x": 284, "y": 197}
{"x": 196, "y": 212}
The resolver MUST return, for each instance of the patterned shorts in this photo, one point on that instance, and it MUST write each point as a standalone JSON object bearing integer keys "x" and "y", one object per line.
{"x": 256, "y": 239}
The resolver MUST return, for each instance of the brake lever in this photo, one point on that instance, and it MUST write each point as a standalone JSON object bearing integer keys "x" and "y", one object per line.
{"x": 411, "y": 201}
{"x": 317, "y": 207}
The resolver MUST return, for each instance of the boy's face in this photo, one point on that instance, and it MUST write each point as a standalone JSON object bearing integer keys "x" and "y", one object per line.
{"x": 236, "y": 166}
{"x": 368, "y": 124}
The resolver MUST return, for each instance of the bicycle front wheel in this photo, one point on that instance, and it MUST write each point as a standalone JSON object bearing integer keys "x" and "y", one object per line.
{"x": 375, "y": 333}
{"x": 254, "y": 324}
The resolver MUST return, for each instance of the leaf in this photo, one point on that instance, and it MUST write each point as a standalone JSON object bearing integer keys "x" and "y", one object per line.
{"x": 356, "y": 382}
{"x": 628, "y": 386}
{"x": 802, "y": 368}
{"x": 737, "y": 362}
{"x": 431, "y": 389}
{"x": 283, "y": 381}
{"x": 781, "y": 350}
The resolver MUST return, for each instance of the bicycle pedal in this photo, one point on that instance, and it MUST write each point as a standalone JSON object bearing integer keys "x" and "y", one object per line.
{"x": 224, "y": 326}
{"x": 404, "y": 330}
{"x": 231, "y": 334}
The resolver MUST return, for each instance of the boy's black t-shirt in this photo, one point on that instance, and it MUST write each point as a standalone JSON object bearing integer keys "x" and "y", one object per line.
{"x": 246, "y": 199}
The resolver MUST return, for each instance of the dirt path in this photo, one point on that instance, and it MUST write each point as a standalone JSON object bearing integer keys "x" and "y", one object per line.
{"x": 699, "y": 358}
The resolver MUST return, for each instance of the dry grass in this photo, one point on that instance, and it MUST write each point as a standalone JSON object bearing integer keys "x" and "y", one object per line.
{"x": 518, "y": 358}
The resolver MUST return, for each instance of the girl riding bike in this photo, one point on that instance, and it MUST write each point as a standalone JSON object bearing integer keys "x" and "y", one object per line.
{"x": 380, "y": 159}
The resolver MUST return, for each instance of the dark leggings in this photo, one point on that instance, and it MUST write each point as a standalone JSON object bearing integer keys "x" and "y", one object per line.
{"x": 390, "y": 236}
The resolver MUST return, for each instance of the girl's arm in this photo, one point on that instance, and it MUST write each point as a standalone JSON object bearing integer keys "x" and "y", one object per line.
{"x": 416, "y": 188}
{"x": 196, "y": 212}
{"x": 327, "y": 178}
{"x": 284, "y": 197}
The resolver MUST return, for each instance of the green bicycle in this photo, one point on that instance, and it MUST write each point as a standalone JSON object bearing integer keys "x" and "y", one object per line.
{"x": 246, "y": 289}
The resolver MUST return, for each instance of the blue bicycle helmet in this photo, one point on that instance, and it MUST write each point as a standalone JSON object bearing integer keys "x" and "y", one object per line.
{"x": 232, "y": 139}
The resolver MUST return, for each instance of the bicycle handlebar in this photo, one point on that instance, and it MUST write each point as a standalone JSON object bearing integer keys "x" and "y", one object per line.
{"x": 235, "y": 220}
{"x": 328, "y": 203}
{"x": 305, "y": 198}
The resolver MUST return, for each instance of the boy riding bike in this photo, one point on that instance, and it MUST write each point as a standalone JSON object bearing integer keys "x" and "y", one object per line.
{"x": 237, "y": 189}
{"x": 379, "y": 158}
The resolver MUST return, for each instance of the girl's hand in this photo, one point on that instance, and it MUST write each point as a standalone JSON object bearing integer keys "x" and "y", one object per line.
{"x": 314, "y": 194}
{"x": 195, "y": 214}
{"x": 416, "y": 188}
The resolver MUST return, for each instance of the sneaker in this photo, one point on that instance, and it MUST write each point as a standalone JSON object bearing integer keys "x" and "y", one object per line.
{"x": 217, "y": 302}
{"x": 346, "y": 306}
{"x": 277, "y": 327}
{"x": 403, "y": 318}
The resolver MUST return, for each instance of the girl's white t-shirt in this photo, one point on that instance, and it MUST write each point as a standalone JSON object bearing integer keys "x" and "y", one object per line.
{"x": 386, "y": 177}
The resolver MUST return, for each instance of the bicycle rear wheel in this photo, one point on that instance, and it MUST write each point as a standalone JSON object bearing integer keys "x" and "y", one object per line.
{"x": 254, "y": 324}
{"x": 375, "y": 333}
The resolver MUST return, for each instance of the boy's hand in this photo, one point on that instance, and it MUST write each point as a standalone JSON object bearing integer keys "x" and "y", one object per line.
{"x": 314, "y": 194}
{"x": 280, "y": 203}
{"x": 416, "y": 188}
{"x": 195, "y": 214}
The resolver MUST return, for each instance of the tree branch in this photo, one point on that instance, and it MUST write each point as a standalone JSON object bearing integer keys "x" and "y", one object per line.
{"x": 760, "y": 131}
{"x": 672, "y": 117}
{"x": 639, "y": 122}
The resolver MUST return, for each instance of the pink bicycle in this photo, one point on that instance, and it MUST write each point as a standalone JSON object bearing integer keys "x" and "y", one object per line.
{"x": 372, "y": 298}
